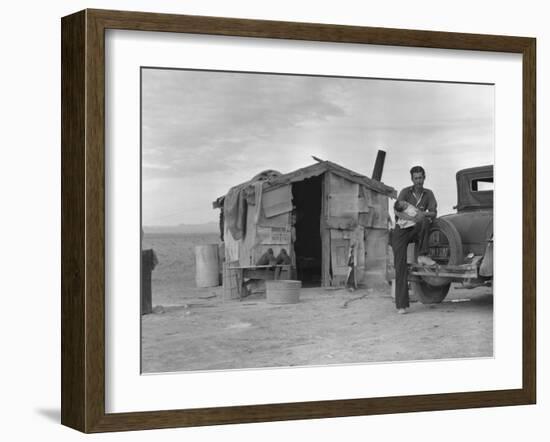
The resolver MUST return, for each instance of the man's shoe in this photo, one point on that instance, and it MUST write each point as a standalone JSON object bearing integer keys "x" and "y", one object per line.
{"x": 401, "y": 311}
{"x": 426, "y": 261}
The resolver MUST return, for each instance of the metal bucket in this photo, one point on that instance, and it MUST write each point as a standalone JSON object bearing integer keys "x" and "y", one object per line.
{"x": 207, "y": 270}
{"x": 283, "y": 291}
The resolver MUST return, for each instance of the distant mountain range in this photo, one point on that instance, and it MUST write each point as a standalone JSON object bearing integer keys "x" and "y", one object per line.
{"x": 211, "y": 227}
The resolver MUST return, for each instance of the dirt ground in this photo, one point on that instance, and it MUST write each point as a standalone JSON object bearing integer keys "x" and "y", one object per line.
{"x": 202, "y": 332}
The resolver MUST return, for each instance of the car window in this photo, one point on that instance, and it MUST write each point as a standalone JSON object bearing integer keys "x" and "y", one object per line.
{"x": 482, "y": 184}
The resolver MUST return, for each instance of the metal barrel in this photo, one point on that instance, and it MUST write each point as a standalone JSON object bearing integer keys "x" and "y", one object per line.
{"x": 207, "y": 265}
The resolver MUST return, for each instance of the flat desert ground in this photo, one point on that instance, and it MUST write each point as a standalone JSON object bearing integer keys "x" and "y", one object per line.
{"x": 195, "y": 329}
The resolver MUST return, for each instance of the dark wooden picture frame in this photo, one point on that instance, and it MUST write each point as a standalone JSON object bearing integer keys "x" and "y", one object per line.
{"x": 83, "y": 220}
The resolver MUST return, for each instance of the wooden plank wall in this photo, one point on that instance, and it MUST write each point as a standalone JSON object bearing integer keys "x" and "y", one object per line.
{"x": 274, "y": 232}
{"x": 340, "y": 241}
{"x": 374, "y": 217}
{"x": 354, "y": 214}
{"x": 343, "y": 202}
{"x": 326, "y": 280}
{"x": 261, "y": 234}
{"x": 376, "y": 255}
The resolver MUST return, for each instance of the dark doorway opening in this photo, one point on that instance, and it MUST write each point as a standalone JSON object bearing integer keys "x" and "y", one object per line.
{"x": 307, "y": 197}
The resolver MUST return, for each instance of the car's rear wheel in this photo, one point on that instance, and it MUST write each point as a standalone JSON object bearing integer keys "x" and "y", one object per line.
{"x": 428, "y": 294}
{"x": 445, "y": 247}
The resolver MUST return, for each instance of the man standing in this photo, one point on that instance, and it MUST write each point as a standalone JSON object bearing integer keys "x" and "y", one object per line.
{"x": 417, "y": 231}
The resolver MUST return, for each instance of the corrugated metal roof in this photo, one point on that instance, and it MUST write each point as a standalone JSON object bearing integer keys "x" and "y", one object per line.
{"x": 318, "y": 169}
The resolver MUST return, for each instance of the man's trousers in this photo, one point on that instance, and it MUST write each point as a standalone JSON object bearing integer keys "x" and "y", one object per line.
{"x": 400, "y": 240}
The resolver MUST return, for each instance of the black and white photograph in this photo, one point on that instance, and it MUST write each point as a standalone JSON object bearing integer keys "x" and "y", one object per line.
{"x": 300, "y": 220}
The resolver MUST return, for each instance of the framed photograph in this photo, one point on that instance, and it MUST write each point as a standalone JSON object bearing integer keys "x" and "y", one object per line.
{"x": 268, "y": 221}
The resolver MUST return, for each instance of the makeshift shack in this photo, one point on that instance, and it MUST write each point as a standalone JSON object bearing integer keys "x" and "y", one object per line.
{"x": 317, "y": 214}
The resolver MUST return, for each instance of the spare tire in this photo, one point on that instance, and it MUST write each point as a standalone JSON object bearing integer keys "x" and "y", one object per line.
{"x": 444, "y": 238}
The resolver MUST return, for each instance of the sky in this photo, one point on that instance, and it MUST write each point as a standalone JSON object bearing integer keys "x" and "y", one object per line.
{"x": 204, "y": 132}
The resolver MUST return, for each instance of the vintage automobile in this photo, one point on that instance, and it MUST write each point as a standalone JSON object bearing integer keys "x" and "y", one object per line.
{"x": 461, "y": 243}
